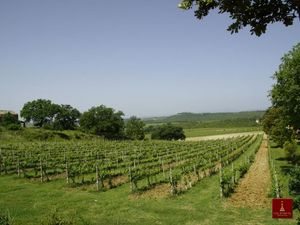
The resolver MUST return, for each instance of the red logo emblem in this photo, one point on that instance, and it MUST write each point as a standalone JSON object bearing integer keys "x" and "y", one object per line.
{"x": 282, "y": 208}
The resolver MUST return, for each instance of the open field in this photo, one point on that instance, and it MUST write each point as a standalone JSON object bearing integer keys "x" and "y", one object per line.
{"x": 222, "y": 136}
{"x": 198, "y": 132}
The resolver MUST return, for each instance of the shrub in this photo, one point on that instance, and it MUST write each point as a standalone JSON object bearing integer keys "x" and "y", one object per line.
{"x": 14, "y": 127}
{"x": 168, "y": 132}
{"x": 290, "y": 148}
{"x": 294, "y": 182}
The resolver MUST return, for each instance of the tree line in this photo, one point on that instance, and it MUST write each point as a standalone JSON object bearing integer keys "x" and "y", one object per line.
{"x": 100, "y": 120}
{"x": 282, "y": 120}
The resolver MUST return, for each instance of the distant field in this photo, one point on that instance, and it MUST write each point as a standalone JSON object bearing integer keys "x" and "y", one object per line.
{"x": 199, "y": 132}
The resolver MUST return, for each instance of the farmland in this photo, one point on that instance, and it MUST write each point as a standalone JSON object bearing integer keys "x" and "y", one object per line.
{"x": 144, "y": 182}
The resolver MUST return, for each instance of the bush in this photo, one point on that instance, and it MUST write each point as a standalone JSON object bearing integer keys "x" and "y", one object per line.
{"x": 14, "y": 127}
{"x": 290, "y": 148}
{"x": 167, "y": 132}
{"x": 294, "y": 182}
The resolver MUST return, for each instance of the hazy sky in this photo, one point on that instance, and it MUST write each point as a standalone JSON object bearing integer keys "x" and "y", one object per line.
{"x": 142, "y": 57}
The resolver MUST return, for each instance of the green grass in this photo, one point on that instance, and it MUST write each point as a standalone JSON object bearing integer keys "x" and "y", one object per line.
{"x": 40, "y": 134}
{"x": 282, "y": 166}
{"x": 29, "y": 203}
{"x": 197, "y": 132}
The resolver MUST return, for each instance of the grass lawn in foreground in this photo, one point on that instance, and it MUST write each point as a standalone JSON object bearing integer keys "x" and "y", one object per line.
{"x": 30, "y": 202}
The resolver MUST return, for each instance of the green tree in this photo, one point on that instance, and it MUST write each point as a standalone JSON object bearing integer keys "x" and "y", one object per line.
{"x": 134, "y": 128}
{"x": 9, "y": 119}
{"x": 168, "y": 132}
{"x": 103, "y": 121}
{"x": 285, "y": 94}
{"x": 66, "y": 118}
{"x": 280, "y": 132}
{"x": 269, "y": 118}
{"x": 254, "y": 13}
{"x": 41, "y": 112}
{"x": 282, "y": 120}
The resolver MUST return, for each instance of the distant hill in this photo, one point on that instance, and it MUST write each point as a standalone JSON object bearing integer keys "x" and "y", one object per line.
{"x": 204, "y": 117}
{"x": 224, "y": 119}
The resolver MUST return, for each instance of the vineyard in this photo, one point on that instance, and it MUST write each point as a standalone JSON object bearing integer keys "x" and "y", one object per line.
{"x": 103, "y": 165}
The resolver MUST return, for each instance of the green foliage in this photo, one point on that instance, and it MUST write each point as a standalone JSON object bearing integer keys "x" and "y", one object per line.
{"x": 243, "y": 169}
{"x": 103, "y": 121}
{"x": 167, "y": 132}
{"x": 269, "y": 119}
{"x": 290, "y": 148}
{"x": 294, "y": 182}
{"x": 280, "y": 132}
{"x": 56, "y": 219}
{"x": 9, "y": 119}
{"x": 66, "y": 118}
{"x": 134, "y": 128}
{"x": 44, "y": 113}
{"x": 226, "y": 119}
{"x": 286, "y": 91}
{"x": 40, "y": 112}
{"x": 14, "y": 127}
{"x": 227, "y": 185}
{"x": 296, "y": 204}
{"x": 256, "y": 14}
{"x": 282, "y": 120}
{"x": 5, "y": 219}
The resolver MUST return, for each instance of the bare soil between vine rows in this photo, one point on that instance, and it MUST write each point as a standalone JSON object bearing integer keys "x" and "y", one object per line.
{"x": 254, "y": 187}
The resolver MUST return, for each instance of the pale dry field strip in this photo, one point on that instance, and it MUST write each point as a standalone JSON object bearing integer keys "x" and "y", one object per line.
{"x": 222, "y": 136}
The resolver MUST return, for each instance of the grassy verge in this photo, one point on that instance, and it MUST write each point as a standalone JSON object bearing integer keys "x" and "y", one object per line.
{"x": 282, "y": 166}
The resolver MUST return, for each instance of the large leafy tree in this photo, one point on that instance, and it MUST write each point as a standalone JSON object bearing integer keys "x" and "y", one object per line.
{"x": 134, "y": 128}
{"x": 285, "y": 93}
{"x": 272, "y": 116}
{"x": 282, "y": 120}
{"x": 41, "y": 112}
{"x": 66, "y": 118}
{"x": 254, "y": 13}
{"x": 167, "y": 132}
{"x": 103, "y": 121}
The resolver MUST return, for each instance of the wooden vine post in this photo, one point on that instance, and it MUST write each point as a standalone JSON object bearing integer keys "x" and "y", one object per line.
{"x": 171, "y": 182}
{"x": 221, "y": 182}
{"x": 233, "y": 174}
{"x": 18, "y": 167}
{"x": 130, "y": 179}
{"x": 67, "y": 172}
{"x": 163, "y": 168}
{"x": 41, "y": 169}
{"x": 97, "y": 176}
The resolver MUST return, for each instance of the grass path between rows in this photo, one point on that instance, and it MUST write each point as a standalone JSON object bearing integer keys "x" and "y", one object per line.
{"x": 254, "y": 188}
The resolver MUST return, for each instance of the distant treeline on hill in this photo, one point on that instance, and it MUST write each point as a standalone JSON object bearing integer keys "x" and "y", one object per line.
{"x": 226, "y": 119}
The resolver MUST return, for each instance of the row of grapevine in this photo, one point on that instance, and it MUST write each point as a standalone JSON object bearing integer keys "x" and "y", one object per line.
{"x": 107, "y": 164}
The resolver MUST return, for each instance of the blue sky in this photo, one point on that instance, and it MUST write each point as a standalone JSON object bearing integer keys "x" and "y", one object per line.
{"x": 145, "y": 58}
